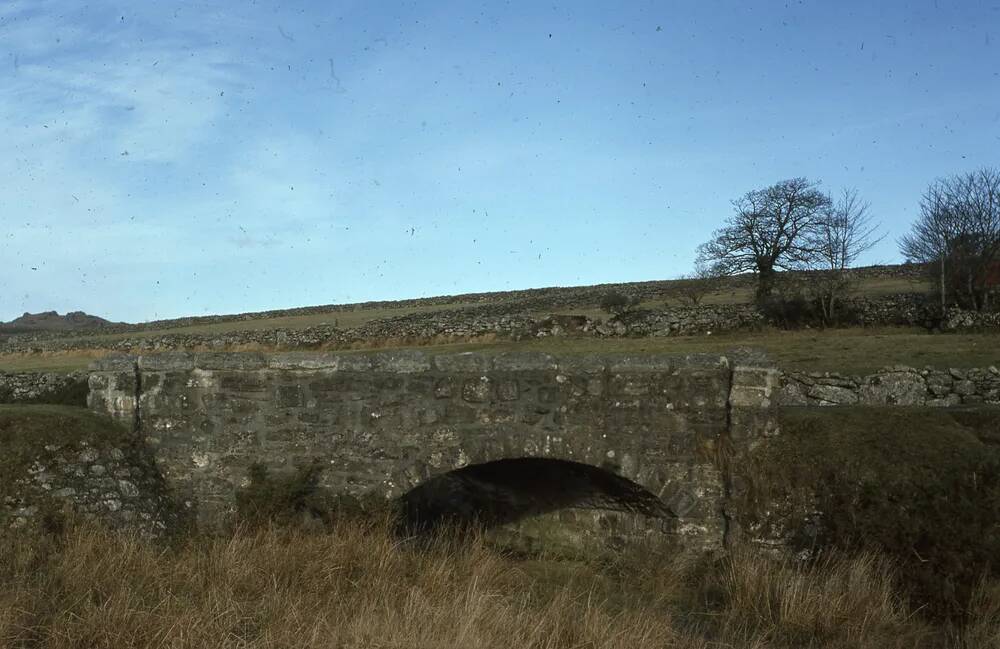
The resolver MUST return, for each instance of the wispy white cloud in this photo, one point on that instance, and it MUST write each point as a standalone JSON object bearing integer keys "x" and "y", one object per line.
{"x": 92, "y": 112}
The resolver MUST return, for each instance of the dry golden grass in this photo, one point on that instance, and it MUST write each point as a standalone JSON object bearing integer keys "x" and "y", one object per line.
{"x": 852, "y": 601}
{"x": 50, "y": 361}
{"x": 984, "y": 629}
{"x": 356, "y": 586}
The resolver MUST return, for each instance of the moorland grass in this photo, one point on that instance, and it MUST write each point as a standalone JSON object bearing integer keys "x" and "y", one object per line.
{"x": 356, "y": 585}
{"x": 850, "y": 351}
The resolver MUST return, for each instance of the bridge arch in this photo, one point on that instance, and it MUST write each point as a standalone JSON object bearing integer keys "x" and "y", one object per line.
{"x": 507, "y": 490}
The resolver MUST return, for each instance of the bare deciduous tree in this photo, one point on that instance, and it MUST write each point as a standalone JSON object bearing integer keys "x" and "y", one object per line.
{"x": 773, "y": 229}
{"x": 959, "y": 233}
{"x": 843, "y": 234}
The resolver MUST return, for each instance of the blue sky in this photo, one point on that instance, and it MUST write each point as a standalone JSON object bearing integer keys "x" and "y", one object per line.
{"x": 181, "y": 158}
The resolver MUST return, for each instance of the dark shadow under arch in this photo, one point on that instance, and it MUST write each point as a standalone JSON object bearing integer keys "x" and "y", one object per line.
{"x": 505, "y": 491}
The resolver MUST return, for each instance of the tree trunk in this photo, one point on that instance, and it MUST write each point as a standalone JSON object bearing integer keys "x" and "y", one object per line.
{"x": 765, "y": 283}
{"x": 943, "y": 306}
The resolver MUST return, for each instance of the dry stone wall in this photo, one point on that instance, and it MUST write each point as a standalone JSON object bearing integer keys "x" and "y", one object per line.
{"x": 383, "y": 423}
{"x": 40, "y": 387}
{"x": 896, "y": 385}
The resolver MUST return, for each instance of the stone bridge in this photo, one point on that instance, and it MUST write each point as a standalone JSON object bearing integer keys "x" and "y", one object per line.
{"x": 391, "y": 424}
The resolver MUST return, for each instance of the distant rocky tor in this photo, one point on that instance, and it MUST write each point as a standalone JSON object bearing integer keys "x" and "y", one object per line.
{"x": 52, "y": 321}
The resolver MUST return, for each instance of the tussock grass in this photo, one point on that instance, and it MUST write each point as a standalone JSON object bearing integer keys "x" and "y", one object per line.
{"x": 359, "y": 586}
{"x": 833, "y": 600}
{"x": 984, "y": 615}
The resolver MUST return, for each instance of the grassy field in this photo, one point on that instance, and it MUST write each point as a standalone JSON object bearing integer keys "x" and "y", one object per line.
{"x": 852, "y": 351}
{"x": 842, "y": 350}
{"x": 357, "y": 586}
{"x": 341, "y": 319}
{"x": 347, "y": 319}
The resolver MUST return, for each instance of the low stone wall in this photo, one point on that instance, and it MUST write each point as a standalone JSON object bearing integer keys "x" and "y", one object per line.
{"x": 39, "y": 387}
{"x": 897, "y": 385}
{"x": 681, "y": 320}
{"x": 438, "y": 325}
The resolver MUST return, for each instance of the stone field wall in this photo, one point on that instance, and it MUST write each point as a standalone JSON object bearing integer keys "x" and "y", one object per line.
{"x": 42, "y": 387}
{"x": 897, "y": 385}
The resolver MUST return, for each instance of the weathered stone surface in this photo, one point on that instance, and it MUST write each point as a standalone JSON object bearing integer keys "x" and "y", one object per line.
{"x": 464, "y": 362}
{"x": 478, "y": 390}
{"x": 837, "y": 381}
{"x": 24, "y": 387}
{"x": 902, "y": 388}
{"x": 384, "y": 423}
{"x": 304, "y": 361}
{"x": 582, "y": 364}
{"x": 617, "y": 363}
{"x": 895, "y": 385}
{"x": 524, "y": 361}
{"x": 965, "y": 388}
{"x": 793, "y": 393}
{"x": 947, "y": 401}
{"x": 167, "y": 361}
{"x": 393, "y": 420}
{"x": 753, "y": 387}
{"x": 407, "y": 362}
{"x": 832, "y": 394}
{"x": 229, "y": 361}
{"x": 79, "y": 476}
{"x": 114, "y": 363}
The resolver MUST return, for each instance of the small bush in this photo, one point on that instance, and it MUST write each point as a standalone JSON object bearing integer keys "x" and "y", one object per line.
{"x": 298, "y": 498}
{"x": 797, "y": 310}
{"x": 789, "y": 312}
{"x": 617, "y": 303}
